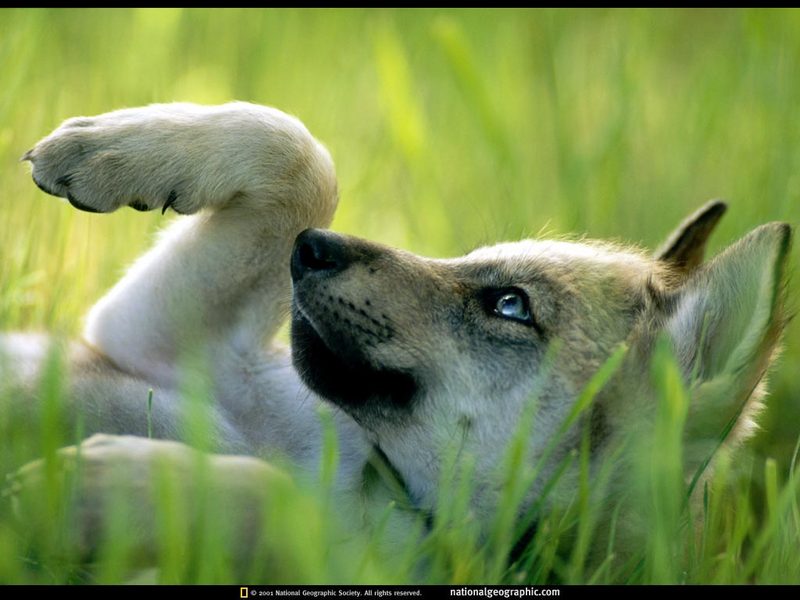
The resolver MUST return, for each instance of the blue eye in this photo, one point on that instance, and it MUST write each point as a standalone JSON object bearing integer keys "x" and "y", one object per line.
{"x": 513, "y": 305}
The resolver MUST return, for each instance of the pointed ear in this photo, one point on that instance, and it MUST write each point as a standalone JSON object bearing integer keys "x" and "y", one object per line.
{"x": 686, "y": 245}
{"x": 729, "y": 314}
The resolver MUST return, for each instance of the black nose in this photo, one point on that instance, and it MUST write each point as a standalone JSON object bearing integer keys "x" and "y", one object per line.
{"x": 319, "y": 251}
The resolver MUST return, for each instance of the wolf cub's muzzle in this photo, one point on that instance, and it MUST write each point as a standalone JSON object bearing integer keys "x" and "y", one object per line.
{"x": 340, "y": 322}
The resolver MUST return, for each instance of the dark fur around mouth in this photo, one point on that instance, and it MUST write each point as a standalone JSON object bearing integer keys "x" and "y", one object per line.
{"x": 346, "y": 379}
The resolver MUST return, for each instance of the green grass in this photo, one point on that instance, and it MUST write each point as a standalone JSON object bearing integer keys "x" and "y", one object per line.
{"x": 450, "y": 129}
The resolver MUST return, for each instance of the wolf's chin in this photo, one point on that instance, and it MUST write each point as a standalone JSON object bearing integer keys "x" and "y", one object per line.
{"x": 347, "y": 379}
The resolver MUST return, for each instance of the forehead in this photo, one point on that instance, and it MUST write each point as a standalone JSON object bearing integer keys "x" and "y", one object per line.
{"x": 589, "y": 253}
{"x": 590, "y": 259}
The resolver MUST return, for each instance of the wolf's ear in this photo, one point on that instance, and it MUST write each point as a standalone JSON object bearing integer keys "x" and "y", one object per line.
{"x": 686, "y": 245}
{"x": 729, "y": 314}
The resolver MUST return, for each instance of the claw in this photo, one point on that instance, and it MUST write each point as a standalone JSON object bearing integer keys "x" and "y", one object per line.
{"x": 170, "y": 201}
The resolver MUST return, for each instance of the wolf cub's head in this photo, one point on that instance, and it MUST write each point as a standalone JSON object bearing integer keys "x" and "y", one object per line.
{"x": 434, "y": 356}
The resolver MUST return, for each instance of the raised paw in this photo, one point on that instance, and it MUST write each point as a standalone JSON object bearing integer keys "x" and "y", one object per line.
{"x": 124, "y": 158}
{"x": 184, "y": 157}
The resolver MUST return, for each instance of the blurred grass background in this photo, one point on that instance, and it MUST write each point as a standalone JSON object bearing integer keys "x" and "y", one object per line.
{"x": 450, "y": 129}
